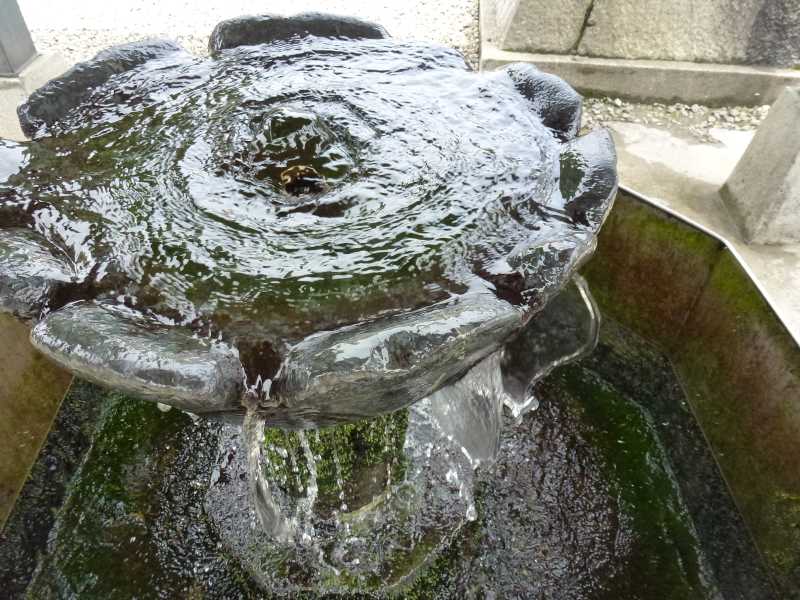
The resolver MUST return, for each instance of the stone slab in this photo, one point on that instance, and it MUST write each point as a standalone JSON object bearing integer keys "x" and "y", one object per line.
{"x": 763, "y": 192}
{"x": 710, "y": 31}
{"x": 656, "y": 80}
{"x": 534, "y": 26}
{"x": 755, "y": 32}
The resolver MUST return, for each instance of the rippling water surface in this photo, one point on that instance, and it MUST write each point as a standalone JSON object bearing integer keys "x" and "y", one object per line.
{"x": 165, "y": 186}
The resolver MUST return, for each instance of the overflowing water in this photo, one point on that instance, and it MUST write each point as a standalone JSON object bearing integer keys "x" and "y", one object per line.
{"x": 366, "y": 504}
{"x": 163, "y": 188}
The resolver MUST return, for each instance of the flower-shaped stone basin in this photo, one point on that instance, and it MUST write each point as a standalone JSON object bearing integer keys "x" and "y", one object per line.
{"x": 318, "y": 221}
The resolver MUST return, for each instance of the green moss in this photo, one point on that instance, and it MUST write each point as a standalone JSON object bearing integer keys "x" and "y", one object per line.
{"x": 649, "y": 269}
{"x": 105, "y": 506}
{"x": 666, "y": 560}
{"x": 679, "y": 288}
{"x": 438, "y": 579}
{"x": 353, "y": 461}
{"x": 731, "y": 282}
{"x": 132, "y": 525}
{"x": 741, "y": 370}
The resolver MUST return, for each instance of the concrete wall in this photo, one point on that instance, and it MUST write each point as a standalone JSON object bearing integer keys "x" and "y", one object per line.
{"x": 738, "y": 364}
{"x": 16, "y": 46}
{"x": 762, "y": 32}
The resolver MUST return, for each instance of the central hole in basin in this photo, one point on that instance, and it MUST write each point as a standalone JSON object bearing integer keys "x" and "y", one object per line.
{"x": 302, "y": 179}
{"x": 296, "y": 152}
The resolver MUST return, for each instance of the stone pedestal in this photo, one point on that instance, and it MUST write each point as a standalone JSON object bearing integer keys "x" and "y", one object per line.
{"x": 763, "y": 192}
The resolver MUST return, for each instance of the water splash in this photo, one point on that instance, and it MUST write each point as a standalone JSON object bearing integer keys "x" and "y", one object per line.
{"x": 369, "y": 502}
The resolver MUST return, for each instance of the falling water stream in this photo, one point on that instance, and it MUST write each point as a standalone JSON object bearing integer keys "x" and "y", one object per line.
{"x": 269, "y": 515}
{"x": 305, "y": 497}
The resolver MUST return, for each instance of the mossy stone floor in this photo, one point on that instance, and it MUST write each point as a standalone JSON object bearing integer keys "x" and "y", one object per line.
{"x": 738, "y": 364}
{"x": 588, "y": 500}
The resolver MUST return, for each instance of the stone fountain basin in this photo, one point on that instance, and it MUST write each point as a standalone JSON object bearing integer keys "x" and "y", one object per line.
{"x": 175, "y": 261}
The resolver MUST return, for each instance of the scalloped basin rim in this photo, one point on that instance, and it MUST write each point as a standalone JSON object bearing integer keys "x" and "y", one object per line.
{"x": 507, "y": 206}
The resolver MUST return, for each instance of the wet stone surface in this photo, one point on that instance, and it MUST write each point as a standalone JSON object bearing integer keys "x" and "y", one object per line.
{"x": 311, "y": 175}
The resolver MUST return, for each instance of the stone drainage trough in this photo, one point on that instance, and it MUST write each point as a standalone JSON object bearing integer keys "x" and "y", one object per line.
{"x": 661, "y": 464}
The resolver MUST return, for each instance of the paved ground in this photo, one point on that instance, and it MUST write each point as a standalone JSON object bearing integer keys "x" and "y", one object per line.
{"x": 696, "y": 121}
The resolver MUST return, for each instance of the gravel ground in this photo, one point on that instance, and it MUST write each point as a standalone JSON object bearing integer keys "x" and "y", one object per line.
{"x": 79, "y": 29}
{"x": 692, "y": 120}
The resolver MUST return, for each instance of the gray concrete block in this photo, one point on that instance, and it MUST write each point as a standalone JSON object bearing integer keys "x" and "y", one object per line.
{"x": 536, "y": 26}
{"x": 710, "y": 31}
{"x": 656, "y": 80}
{"x": 763, "y": 32}
{"x": 16, "y": 46}
{"x": 763, "y": 192}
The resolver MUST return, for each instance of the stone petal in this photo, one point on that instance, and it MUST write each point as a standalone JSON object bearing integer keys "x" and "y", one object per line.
{"x": 549, "y": 262}
{"x": 385, "y": 365}
{"x": 589, "y": 178}
{"x": 554, "y": 253}
{"x": 57, "y": 97}
{"x": 28, "y": 272}
{"x": 263, "y": 29}
{"x": 117, "y": 348}
{"x": 556, "y": 103}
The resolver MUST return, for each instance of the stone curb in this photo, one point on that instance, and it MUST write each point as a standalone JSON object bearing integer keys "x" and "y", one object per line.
{"x": 655, "y": 80}
{"x": 763, "y": 192}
